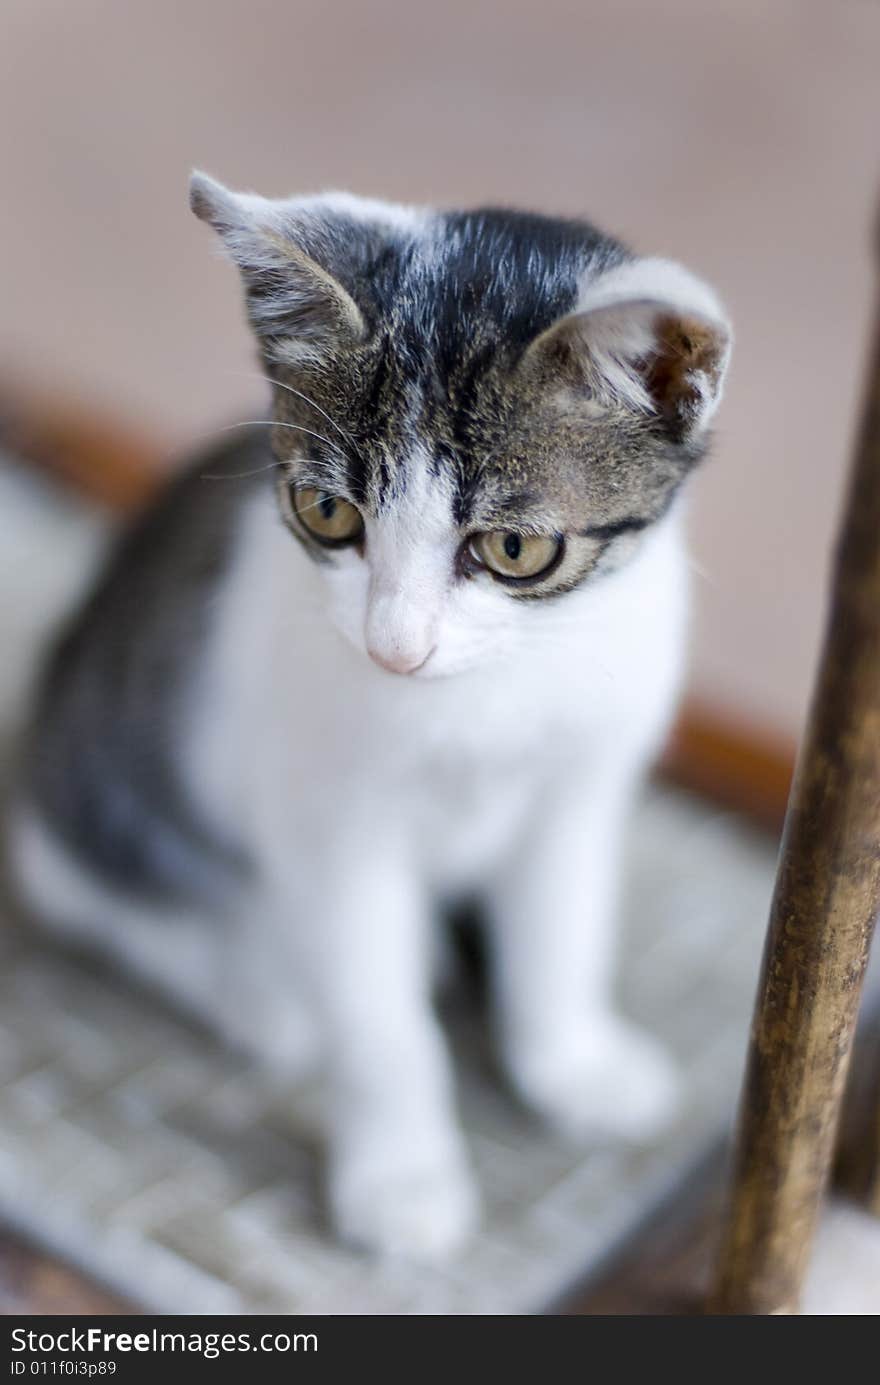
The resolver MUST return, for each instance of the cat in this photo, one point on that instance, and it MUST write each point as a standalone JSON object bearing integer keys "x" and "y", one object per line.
{"x": 417, "y": 638}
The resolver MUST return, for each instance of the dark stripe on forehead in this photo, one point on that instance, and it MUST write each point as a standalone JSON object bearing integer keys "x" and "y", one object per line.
{"x": 467, "y": 486}
{"x": 356, "y": 476}
{"x": 383, "y": 480}
{"x": 518, "y": 270}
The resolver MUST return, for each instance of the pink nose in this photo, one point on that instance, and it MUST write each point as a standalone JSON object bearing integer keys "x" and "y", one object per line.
{"x": 399, "y": 661}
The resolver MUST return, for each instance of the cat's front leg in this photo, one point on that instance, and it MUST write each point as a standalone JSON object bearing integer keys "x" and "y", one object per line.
{"x": 398, "y": 1175}
{"x": 571, "y": 1057}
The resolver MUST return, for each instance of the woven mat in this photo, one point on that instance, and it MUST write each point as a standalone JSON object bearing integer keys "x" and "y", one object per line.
{"x": 185, "y": 1178}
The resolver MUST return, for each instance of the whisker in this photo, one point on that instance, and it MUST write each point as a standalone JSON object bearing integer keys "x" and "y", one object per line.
{"x": 294, "y": 427}
{"x": 238, "y": 475}
{"x": 270, "y": 380}
{"x": 308, "y": 400}
{"x": 257, "y": 471}
{"x": 305, "y": 508}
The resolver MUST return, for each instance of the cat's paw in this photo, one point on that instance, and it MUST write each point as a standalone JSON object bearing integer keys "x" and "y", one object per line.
{"x": 423, "y": 1213}
{"x": 608, "y": 1080}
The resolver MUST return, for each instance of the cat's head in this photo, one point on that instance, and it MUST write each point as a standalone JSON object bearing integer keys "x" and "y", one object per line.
{"x": 476, "y": 412}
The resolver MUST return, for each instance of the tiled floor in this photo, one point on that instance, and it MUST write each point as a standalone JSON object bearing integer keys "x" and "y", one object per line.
{"x": 188, "y": 1180}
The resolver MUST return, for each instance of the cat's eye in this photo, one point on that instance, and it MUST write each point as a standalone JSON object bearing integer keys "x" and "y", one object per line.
{"x": 517, "y": 557}
{"x": 329, "y": 518}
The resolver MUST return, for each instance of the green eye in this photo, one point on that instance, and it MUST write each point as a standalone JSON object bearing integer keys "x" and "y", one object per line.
{"x": 329, "y": 518}
{"x": 516, "y": 557}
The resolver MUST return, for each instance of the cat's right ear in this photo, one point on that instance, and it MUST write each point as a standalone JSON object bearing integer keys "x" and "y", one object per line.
{"x": 647, "y": 335}
{"x": 297, "y": 308}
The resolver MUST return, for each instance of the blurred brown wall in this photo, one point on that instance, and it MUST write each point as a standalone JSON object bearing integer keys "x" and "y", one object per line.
{"x": 740, "y": 137}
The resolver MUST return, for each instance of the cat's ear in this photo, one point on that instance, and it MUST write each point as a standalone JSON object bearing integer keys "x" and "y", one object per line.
{"x": 295, "y": 304}
{"x": 648, "y": 335}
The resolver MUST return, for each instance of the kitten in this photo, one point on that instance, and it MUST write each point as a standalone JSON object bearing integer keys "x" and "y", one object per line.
{"x": 419, "y": 638}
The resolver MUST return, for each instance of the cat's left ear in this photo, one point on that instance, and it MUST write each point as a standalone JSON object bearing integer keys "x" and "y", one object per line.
{"x": 280, "y": 248}
{"x": 647, "y": 334}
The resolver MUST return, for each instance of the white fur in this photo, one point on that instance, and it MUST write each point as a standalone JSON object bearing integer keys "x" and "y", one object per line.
{"x": 652, "y": 279}
{"x": 252, "y": 208}
{"x": 364, "y": 796}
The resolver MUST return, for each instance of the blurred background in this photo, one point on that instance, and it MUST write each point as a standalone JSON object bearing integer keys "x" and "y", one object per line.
{"x": 739, "y": 136}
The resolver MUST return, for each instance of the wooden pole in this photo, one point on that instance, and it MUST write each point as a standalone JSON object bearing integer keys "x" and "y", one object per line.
{"x": 821, "y": 920}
